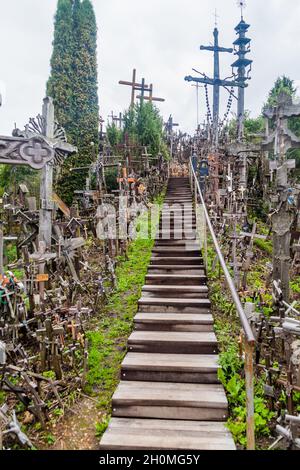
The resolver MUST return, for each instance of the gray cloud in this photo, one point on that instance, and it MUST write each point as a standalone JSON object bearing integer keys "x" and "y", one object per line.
{"x": 160, "y": 38}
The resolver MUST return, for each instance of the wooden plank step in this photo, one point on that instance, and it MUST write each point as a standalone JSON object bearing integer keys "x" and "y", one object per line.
{"x": 173, "y": 342}
{"x": 179, "y": 289}
{"x": 167, "y": 260}
{"x": 176, "y": 251}
{"x": 179, "y": 200}
{"x": 169, "y": 241}
{"x": 177, "y": 235}
{"x": 188, "y": 221}
{"x": 169, "y": 215}
{"x": 180, "y": 211}
{"x": 173, "y": 304}
{"x": 159, "y": 321}
{"x": 167, "y": 400}
{"x": 185, "y": 368}
{"x": 176, "y": 279}
{"x": 176, "y": 269}
{"x": 161, "y": 270}
{"x": 186, "y": 292}
{"x": 156, "y": 434}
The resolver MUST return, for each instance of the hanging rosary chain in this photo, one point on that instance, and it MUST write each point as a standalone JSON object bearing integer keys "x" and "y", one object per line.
{"x": 209, "y": 115}
{"x": 228, "y": 107}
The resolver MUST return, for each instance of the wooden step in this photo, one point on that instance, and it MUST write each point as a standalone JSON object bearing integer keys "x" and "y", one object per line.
{"x": 167, "y": 400}
{"x": 160, "y": 321}
{"x": 178, "y": 199}
{"x": 173, "y": 342}
{"x": 185, "y": 368}
{"x": 176, "y": 279}
{"x": 175, "y": 251}
{"x": 176, "y": 269}
{"x": 171, "y": 221}
{"x": 169, "y": 396}
{"x": 177, "y": 211}
{"x": 173, "y": 304}
{"x": 170, "y": 233}
{"x": 185, "y": 292}
{"x": 167, "y": 260}
{"x": 156, "y": 434}
{"x": 169, "y": 242}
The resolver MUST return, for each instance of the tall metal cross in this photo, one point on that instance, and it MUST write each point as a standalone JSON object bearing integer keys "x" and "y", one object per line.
{"x": 216, "y": 82}
{"x": 216, "y": 18}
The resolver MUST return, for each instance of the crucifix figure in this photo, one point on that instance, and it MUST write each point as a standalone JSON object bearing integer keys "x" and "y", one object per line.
{"x": 41, "y": 145}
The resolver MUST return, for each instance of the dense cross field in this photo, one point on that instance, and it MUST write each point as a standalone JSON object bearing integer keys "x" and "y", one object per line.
{"x": 149, "y": 278}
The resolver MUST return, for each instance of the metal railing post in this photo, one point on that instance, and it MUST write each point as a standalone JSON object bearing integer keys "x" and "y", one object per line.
{"x": 249, "y": 379}
{"x": 205, "y": 246}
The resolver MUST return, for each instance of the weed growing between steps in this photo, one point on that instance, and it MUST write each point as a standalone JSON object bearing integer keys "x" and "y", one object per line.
{"x": 228, "y": 331}
{"x": 108, "y": 341}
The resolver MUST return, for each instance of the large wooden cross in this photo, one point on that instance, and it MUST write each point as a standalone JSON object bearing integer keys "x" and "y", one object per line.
{"x": 150, "y": 98}
{"x": 41, "y": 145}
{"x": 169, "y": 128}
{"x": 135, "y": 86}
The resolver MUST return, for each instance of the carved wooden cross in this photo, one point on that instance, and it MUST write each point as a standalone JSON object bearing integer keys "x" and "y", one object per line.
{"x": 41, "y": 145}
{"x": 249, "y": 251}
{"x": 280, "y": 141}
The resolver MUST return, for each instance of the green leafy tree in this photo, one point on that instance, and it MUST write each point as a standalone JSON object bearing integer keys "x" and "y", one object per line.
{"x": 282, "y": 84}
{"x": 252, "y": 126}
{"x": 286, "y": 85}
{"x": 144, "y": 126}
{"x": 114, "y": 135}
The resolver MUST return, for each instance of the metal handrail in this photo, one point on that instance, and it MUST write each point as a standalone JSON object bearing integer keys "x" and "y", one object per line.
{"x": 235, "y": 297}
{"x": 249, "y": 336}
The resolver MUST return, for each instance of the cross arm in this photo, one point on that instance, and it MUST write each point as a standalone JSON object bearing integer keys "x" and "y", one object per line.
{"x": 211, "y": 81}
{"x": 216, "y": 49}
{"x": 148, "y": 98}
{"x": 135, "y": 85}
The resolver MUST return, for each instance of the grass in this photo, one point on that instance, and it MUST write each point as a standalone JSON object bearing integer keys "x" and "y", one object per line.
{"x": 264, "y": 245}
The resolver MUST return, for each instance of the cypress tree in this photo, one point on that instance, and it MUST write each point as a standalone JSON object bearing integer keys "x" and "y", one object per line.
{"x": 73, "y": 85}
{"x": 59, "y": 85}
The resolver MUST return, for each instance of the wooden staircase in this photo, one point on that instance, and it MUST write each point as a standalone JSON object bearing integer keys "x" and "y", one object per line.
{"x": 169, "y": 396}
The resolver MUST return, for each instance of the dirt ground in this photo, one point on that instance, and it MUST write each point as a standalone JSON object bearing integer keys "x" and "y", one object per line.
{"x": 76, "y": 431}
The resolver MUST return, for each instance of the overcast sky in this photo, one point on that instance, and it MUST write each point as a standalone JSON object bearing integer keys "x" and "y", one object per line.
{"x": 160, "y": 38}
